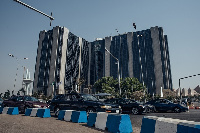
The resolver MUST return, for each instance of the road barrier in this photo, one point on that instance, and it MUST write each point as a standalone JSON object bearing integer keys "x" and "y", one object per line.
{"x": 92, "y": 119}
{"x": 119, "y": 123}
{"x": 79, "y": 117}
{"x": 111, "y": 121}
{"x": 9, "y": 110}
{"x": 98, "y": 120}
{"x": 65, "y": 115}
{"x": 153, "y": 124}
{"x": 74, "y": 116}
{"x": 38, "y": 112}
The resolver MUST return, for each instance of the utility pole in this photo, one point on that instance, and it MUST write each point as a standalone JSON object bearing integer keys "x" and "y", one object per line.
{"x": 117, "y": 70}
{"x": 11, "y": 55}
{"x": 32, "y": 8}
{"x": 180, "y": 84}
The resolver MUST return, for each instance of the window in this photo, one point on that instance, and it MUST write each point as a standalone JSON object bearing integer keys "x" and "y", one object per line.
{"x": 67, "y": 98}
{"x": 74, "y": 98}
{"x": 19, "y": 98}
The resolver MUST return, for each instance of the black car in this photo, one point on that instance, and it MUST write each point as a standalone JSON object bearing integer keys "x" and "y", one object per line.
{"x": 164, "y": 105}
{"x": 127, "y": 105}
{"x": 148, "y": 108}
{"x": 1, "y": 101}
{"x": 81, "y": 102}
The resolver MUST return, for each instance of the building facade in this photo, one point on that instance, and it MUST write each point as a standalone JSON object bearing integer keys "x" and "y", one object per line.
{"x": 61, "y": 62}
{"x": 142, "y": 54}
{"x": 64, "y": 57}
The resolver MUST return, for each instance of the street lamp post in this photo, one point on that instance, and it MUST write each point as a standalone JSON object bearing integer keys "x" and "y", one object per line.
{"x": 17, "y": 66}
{"x": 180, "y": 85}
{"x": 117, "y": 69}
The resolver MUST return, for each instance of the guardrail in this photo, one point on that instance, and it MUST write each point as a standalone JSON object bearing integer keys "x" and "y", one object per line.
{"x": 111, "y": 121}
{"x": 101, "y": 120}
{"x": 72, "y": 115}
{"x": 9, "y": 110}
{"x": 154, "y": 124}
{"x": 38, "y": 112}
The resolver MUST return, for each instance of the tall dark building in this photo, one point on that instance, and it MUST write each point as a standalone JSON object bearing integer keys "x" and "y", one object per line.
{"x": 142, "y": 54}
{"x": 64, "y": 57}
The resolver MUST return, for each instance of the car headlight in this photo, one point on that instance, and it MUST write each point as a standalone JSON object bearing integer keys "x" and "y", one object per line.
{"x": 106, "y": 107}
{"x": 142, "y": 106}
{"x": 119, "y": 107}
{"x": 37, "y": 106}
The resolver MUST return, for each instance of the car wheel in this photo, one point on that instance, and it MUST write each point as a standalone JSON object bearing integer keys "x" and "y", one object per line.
{"x": 148, "y": 110}
{"x": 56, "y": 111}
{"x": 5, "y": 105}
{"x": 24, "y": 110}
{"x": 135, "y": 111}
{"x": 154, "y": 109}
{"x": 177, "y": 110}
{"x": 89, "y": 110}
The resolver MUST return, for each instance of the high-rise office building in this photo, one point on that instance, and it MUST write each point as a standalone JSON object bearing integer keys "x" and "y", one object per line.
{"x": 142, "y": 54}
{"x": 64, "y": 57}
{"x": 61, "y": 62}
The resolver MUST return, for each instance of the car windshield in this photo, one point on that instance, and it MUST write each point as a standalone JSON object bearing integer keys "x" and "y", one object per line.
{"x": 169, "y": 101}
{"x": 130, "y": 101}
{"x": 89, "y": 98}
{"x": 30, "y": 99}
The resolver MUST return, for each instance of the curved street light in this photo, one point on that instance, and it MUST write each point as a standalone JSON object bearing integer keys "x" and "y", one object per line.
{"x": 11, "y": 55}
{"x": 117, "y": 69}
{"x": 180, "y": 85}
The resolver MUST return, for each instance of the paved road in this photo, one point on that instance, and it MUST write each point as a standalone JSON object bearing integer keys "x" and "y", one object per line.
{"x": 26, "y": 124}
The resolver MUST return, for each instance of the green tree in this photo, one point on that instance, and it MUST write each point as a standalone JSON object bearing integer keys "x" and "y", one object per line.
{"x": 131, "y": 85}
{"x": 7, "y": 94}
{"x": 107, "y": 85}
{"x": 13, "y": 92}
{"x": 18, "y": 93}
{"x": 22, "y": 90}
{"x": 110, "y": 85}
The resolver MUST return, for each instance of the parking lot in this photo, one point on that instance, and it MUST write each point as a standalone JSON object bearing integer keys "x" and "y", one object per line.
{"x": 26, "y": 124}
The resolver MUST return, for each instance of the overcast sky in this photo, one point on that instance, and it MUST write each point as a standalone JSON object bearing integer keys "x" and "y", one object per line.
{"x": 90, "y": 19}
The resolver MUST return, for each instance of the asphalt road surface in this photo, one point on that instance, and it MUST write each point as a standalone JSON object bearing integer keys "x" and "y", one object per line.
{"x": 26, "y": 124}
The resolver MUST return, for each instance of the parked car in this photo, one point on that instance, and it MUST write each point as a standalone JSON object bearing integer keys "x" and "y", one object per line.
{"x": 148, "y": 108}
{"x": 24, "y": 102}
{"x": 81, "y": 102}
{"x": 164, "y": 105}
{"x": 127, "y": 105}
{"x": 1, "y": 101}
